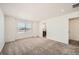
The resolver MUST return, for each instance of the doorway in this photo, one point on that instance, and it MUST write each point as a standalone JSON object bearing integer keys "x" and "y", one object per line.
{"x": 44, "y": 32}
{"x": 74, "y": 31}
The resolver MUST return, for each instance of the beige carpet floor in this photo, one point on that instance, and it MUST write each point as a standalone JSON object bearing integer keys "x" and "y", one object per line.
{"x": 38, "y": 46}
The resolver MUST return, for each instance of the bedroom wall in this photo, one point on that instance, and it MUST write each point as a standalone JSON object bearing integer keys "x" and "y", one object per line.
{"x": 11, "y": 30}
{"x": 58, "y": 27}
{"x": 2, "y": 38}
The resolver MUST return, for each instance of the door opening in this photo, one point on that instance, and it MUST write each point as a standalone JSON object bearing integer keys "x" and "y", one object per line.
{"x": 44, "y": 32}
{"x": 74, "y": 31}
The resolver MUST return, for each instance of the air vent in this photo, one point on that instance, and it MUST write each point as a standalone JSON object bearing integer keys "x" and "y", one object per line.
{"x": 75, "y": 5}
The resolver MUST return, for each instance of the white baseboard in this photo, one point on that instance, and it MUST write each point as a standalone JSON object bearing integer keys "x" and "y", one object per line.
{"x": 22, "y": 38}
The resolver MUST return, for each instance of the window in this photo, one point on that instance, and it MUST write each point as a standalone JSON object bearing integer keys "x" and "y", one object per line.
{"x": 23, "y": 26}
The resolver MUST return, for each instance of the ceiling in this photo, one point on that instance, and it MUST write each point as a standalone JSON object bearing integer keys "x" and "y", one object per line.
{"x": 37, "y": 11}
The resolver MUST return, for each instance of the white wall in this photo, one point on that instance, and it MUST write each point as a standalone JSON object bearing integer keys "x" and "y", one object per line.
{"x": 10, "y": 24}
{"x": 58, "y": 27}
{"x": 11, "y": 30}
{"x": 2, "y": 41}
{"x": 74, "y": 29}
{"x": 35, "y": 28}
